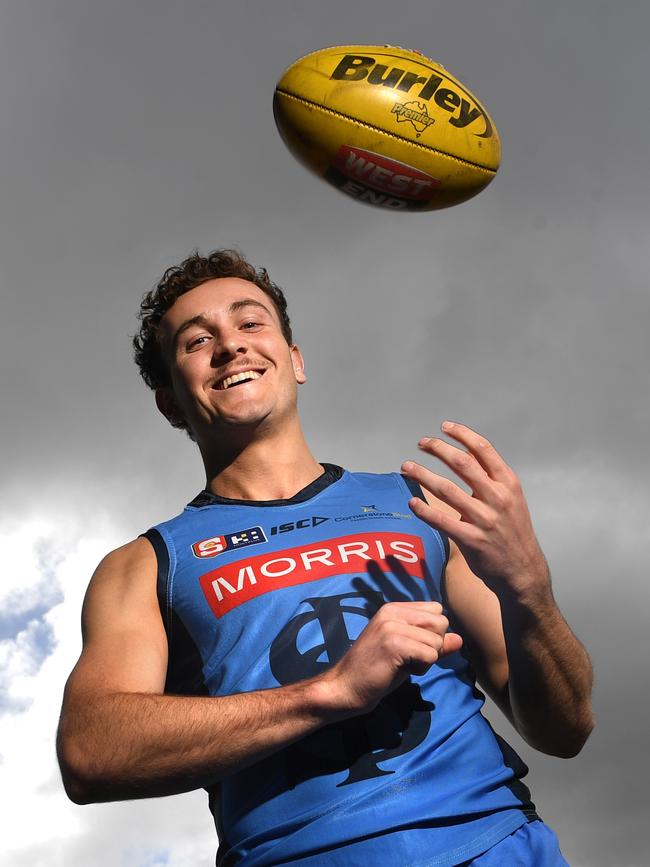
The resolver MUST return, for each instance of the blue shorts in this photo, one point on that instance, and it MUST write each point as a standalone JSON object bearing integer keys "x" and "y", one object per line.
{"x": 532, "y": 845}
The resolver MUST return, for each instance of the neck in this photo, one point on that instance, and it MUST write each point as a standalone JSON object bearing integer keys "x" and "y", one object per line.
{"x": 270, "y": 468}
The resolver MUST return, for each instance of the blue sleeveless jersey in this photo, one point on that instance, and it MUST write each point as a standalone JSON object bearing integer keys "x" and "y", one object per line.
{"x": 257, "y": 595}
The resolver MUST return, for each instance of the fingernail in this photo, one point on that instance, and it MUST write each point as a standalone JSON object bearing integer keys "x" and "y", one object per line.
{"x": 407, "y": 466}
{"x": 446, "y": 425}
{"x": 424, "y": 441}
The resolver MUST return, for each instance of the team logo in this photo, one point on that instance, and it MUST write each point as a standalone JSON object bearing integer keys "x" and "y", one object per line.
{"x": 311, "y": 642}
{"x": 218, "y": 544}
{"x": 413, "y": 112}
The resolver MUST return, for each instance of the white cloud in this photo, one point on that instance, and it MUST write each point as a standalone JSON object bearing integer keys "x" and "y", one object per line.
{"x": 30, "y": 589}
{"x": 48, "y": 565}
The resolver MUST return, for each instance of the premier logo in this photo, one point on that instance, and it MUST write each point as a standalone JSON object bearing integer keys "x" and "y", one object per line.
{"x": 215, "y": 545}
{"x": 462, "y": 112}
{"x": 414, "y": 112}
{"x": 232, "y": 584}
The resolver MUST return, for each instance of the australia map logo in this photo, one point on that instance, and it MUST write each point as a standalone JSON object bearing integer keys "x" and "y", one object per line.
{"x": 413, "y": 112}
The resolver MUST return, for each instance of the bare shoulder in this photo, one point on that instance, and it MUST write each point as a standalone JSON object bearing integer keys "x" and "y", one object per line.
{"x": 124, "y": 640}
{"x": 475, "y": 608}
{"x": 134, "y": 562}
{"x": 133, "y": 558}
{"x": 126, "y": 577}
{"x": 468, "y": 597}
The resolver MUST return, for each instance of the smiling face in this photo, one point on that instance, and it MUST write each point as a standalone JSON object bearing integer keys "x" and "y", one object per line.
{"x": 229, "y": 363}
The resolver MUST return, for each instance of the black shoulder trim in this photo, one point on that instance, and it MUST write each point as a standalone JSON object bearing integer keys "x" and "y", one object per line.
{"x": 184, "y": 666}
{"x": 445, "y": 542}
{"x": 416, "y": 490}
{"x": 162, "y": 556}
{"x": 414, "y": 487}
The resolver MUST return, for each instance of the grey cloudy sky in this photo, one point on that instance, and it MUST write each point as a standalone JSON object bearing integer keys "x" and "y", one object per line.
{"x": 132, "y": 132}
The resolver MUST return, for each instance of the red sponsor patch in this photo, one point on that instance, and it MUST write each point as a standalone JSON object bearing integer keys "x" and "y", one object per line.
{"x": 218, "y": 544}
{"x": 228, "y": 586}
{"x": 209, "y": 547}
{"x": 383, "y": 174}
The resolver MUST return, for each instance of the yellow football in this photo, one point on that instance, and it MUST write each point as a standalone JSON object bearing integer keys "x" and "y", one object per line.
{"x": 387, "y": 126}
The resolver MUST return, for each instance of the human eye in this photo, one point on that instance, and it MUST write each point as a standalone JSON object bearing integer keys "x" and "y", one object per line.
{"x": 251, "y": 324}
{"x": 196, "y": 341}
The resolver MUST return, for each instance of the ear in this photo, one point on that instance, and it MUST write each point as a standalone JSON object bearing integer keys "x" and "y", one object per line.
{"x": 168, "y": 407}
{"x": 298, "y": 364}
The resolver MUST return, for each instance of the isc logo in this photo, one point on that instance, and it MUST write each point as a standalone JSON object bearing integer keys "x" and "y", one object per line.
{"x": 218, "y": 544}
{"x": 298, "y": 525}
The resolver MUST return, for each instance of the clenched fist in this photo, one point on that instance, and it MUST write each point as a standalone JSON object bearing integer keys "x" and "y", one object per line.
{"x": 403, "y": 638}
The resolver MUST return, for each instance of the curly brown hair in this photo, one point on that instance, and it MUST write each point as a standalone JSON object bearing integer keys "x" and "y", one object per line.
{"x": 178, "y": 280}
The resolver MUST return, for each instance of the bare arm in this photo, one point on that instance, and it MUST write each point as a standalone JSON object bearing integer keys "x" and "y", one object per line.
{"x": 499, "y": 590}
{"x": 121, "y": 737}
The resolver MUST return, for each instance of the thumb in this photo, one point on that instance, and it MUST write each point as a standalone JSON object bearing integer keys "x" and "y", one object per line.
{"x": 451, "y": 643}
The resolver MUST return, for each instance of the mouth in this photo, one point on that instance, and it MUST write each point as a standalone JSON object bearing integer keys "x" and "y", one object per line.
{"x": 236, "y": 379}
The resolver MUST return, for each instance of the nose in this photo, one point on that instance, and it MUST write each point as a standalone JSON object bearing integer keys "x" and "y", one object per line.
{"x": 230, "y": 343}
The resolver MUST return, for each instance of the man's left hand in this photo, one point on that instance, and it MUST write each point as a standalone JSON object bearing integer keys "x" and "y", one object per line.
{"x": 492, "y": 527}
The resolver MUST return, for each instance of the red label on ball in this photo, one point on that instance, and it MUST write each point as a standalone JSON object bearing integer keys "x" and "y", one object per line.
{"x": 380, "y": 173}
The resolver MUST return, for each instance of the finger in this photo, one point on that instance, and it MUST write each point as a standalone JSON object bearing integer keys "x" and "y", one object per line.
{"x": 471, "y": 508}
{"x": 451, "y": 643}
{"x": 484, "y": 452}
{"x": 411, "y": 646}
{"x": 463, "y": 463}
{"x": 410, "y": 610}
{"x": 425, "y": 636}
{"x": 418, "y": 656}
{"x": 432, "y": 625}
{"x": 461, "y": 532}
{"x": 408, "y": 614}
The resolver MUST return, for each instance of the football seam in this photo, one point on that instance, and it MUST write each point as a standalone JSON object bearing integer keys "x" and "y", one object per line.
{"x": 380, "y": 129}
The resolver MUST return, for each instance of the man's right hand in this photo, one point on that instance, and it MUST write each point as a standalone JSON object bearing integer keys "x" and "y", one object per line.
{"x": 403, "y": 638}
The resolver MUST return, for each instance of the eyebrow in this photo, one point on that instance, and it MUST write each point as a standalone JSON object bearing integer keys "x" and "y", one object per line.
{"x": 203, "y": 320}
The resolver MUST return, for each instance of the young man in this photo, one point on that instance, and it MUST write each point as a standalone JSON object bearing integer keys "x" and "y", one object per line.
{"x": 285, "y": 641}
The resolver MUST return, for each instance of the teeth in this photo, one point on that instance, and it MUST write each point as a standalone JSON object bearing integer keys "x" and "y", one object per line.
{"x": 240, "y": 377}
